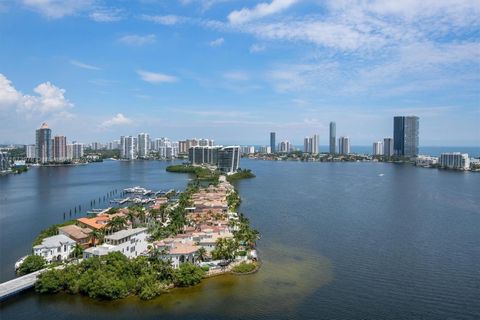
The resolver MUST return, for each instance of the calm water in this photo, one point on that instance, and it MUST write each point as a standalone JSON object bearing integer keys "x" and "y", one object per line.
{"x": 339, "y": 242}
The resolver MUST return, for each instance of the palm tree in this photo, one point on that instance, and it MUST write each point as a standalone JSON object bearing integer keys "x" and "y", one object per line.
{"x": 131, "y": 216}
{"x": 116, "y": 223}
{"x": 251, "y": 236}
{"x": 77, "y": 251}
{"x": 153, "y": 214}
{"x": 163, "y": 211}
{"x": 141, "y": 216}
{"x": 202, "y": 254}
{"x": 97, "y": 234}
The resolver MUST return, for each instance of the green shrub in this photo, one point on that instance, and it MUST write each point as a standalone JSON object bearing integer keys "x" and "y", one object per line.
{"x": 188, "y": 275}
{"x": 32, "y": 263}
{"x": 244, "y": 267}
{"x": 51, "y": 281}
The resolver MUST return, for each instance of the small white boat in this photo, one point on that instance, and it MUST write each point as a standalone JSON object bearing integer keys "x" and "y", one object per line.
{"x": 19, "y": 262}
{"x": 381, "y": 175}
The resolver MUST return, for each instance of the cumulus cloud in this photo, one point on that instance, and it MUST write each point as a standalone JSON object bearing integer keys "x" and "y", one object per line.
{"x": 259, "y": 11}
{"x": 55, "y": 9}
{"x": 82, "y": 65}
{"x": 49, "y": 98}
{"x": 137, "y": 40}
{"x": 155, "y": 77}
{"x": 9, "y": 96}
{"x": 117, "y": 120}
{"x": 217, "y": 42}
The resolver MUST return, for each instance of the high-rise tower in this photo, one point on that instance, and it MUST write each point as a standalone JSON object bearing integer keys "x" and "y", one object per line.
{"x": 405, "y": 136}
{"x": 43, "y": 144}
{"x": 333, "y": 137}
{"x": 272, "y": 142}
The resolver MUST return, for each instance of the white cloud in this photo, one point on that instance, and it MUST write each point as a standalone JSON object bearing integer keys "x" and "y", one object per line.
{"x": 261, "y": 10}
{"x": 254, "y": 48}
{"x": 217, "y": 42}
{"x": 137, "y": 40}
{"x": 9, "y": 96}
{"x": 154, "y": 77}
{"x": 49, "y": 98}
{"x": 166, "y": 20}
{"x": 55, "y": 9}
{"x": 82, "y": 65}
{"x": 117, "y": 120}
{"x": 236, "y": 76}
{"x": 106, "y": 15}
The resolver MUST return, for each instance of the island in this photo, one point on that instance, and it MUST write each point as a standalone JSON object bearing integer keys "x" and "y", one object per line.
{"x": 160, "y": 241}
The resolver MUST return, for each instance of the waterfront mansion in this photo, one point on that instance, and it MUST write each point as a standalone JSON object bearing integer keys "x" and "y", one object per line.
{"x": 56, "y": 248}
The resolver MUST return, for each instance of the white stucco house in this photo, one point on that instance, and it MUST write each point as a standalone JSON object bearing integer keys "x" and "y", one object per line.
{"x": 130, "y": 242}
{"x": 178, "y": 251}
{"x": 55, "y": 248}
{"x": 181, "y": 253}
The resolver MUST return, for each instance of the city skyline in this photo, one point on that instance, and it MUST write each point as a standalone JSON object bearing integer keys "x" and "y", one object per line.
{"x": 238, "y": 71}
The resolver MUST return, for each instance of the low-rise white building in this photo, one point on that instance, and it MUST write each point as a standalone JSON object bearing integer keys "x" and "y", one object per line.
{"x": 178, "y": 251}
{"x": 425, "y": 161}
{"x": 130, "y": 242}
{"x": 455, "y": 160}
{"x": 181, "y": 253}
{"x": 56, "y": 248}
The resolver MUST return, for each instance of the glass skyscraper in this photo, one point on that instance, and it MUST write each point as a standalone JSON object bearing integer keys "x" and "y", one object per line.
{"x": 333, "y": 137}
{"x": 272, "y": 142}
{"x": 43, "y": 144}
{"x": 405, "y": 136}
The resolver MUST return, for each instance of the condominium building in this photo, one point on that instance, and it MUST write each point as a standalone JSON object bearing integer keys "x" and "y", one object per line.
{"x": 143, "y": 145}
{"x": 171, "y": 151}
{"x": 388, "y": 147}
{"x": 43, "y": 144}
{"x": 128, "y": 147}
{"x": 406, "y": 136}
{"x": 226, "y": 159}
{"x": 60, "y": 148}
{"x": 333, "y": 137}
{"x": 425, "y": 161}
{"x": 77, "y": 150}
{"x": 30, "y": 151}
{"x": 205, "y": 142}
{"x": 454, "y": 160}
{"x": 272, "y": 142}
{"x": 310, "y": 144}
{"x": 284, "y": 146}
{"x": 344, "y": 145}
{"x": 377, "y": 148}
{"x": 96, "y": 146}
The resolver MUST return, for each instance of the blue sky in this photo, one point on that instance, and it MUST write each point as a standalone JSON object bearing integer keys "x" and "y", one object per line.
{"x": 236, "y": 70}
